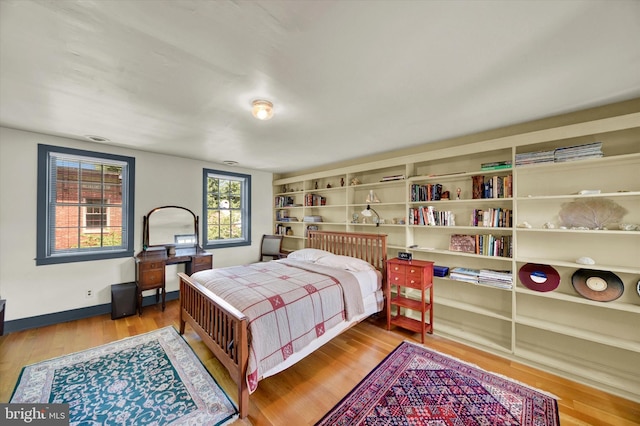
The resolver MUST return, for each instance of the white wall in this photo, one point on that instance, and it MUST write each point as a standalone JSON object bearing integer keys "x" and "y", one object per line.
{"x": 32, "y": 290}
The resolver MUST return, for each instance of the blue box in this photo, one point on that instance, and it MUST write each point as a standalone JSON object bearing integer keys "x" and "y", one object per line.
{"x": 440, "y": 271}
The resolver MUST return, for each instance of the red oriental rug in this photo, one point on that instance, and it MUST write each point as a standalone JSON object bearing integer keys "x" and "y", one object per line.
{"x": 416, "y": 386}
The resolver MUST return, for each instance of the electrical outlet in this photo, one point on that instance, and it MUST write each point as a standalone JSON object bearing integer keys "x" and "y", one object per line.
{"x": 89, "y": 293}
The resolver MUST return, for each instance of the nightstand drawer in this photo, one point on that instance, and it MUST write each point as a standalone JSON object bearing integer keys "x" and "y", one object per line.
{"x": 394, "y": 268}
{"x": 413, "y": 281}
{"x": 396, "y": 278}
{"x": 413, "y": 271}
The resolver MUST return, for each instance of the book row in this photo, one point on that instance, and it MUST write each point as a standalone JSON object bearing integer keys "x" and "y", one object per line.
{"x": 430, "y": 216}
{"x": 492, "y": 186}
{"x": 492, "y": 217}
{"x": 285, "y": 201}
{"x": 489, "y": 218}
{"x": 482, "y": 244}
{"x": 314, "y": 200}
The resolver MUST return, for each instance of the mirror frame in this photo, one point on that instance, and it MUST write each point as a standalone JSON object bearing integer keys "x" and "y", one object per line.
{"x": 145, "y": 226}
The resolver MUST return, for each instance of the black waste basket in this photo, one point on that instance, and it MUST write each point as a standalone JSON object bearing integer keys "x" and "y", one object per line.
{"x": 123, "y": 300}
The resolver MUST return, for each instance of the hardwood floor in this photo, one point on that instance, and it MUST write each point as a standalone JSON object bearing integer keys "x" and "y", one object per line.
{"x": 302, "y": 394}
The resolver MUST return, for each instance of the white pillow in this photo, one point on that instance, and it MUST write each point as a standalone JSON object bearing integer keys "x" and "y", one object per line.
{"x": 345, "y": 262}
{"x": 308, "y": 255}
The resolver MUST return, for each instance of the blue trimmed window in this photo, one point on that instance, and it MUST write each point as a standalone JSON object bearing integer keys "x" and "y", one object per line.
{"x": 226, "y": 204}
{"x": 85, "y": 205}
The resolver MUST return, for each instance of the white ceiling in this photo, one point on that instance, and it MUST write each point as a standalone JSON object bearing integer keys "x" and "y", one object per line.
{"x": 348, "y": 78}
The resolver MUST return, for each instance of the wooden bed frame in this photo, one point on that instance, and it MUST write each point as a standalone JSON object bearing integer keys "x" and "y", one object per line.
{"x": 223, "y": 328}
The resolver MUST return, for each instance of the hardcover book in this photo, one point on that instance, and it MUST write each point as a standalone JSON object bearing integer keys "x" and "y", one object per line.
{"x": 463, "y": 243}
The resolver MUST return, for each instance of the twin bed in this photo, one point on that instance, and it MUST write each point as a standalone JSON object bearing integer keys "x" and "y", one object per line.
{"x": 261, "y": 318}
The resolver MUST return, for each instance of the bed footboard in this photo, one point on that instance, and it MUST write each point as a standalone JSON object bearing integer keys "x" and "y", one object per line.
{"x": 222, "y": 328}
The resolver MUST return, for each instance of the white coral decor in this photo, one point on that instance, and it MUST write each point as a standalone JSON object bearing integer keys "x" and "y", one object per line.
{"x": 591, "y": 213}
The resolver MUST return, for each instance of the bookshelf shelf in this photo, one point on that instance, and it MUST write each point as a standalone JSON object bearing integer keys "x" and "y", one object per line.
{"x": 471, "y": 336}
{"x": 593, "y": 232}
{"x": 474, "y": 201}
{"x": 598, "y": 267}
{"x": 473, "y": 308}
{"x": 626, "y": 194}
{"x": 548, "y": 329}
{"x": 459, "y": 175}
{"x": 463, "y": 228}
{"x": 626, "y": 307}
{"x": 580, "y": 334}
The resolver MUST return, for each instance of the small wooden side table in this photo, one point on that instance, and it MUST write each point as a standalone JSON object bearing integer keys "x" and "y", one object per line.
{"x": 409, "y": 274}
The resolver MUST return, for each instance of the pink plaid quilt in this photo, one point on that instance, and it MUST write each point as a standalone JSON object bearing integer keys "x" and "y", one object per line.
{"x": 288, "y": 303}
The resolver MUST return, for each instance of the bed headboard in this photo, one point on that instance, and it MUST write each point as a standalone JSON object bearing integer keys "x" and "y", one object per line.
{"x": 368, "y": 247}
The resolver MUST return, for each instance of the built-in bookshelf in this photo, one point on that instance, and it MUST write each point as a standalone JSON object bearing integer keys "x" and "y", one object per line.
{"x": 494, "y": 206}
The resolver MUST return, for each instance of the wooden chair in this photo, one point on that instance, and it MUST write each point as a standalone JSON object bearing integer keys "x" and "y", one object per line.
{"x": 271, "y": 246}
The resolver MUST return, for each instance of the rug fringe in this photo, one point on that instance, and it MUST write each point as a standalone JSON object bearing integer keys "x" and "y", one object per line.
{"x": 231, "y": 420}
{"x": 470, "y": 364}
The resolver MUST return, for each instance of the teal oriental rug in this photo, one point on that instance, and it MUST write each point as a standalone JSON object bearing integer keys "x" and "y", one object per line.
{"x": 150, "y": 379}
{"x": 417, "y": 386}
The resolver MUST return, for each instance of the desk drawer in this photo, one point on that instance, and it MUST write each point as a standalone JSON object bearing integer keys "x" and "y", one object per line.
{"x": 145, "y": 266}
{"x": 200, "y": 263}
{"x": 151, "y": 279}
{"x": 203, "y": 262}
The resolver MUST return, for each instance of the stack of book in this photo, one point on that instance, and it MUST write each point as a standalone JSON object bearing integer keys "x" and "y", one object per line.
{"x": 393, "y": 177}
{"x": 288, "y": 219}
{"x": 500, "y": 279}
{"x": 465, "y": 274}
{"x": 578, "y": 152}
{"x": 283, "y": 216}
{"x": 496, "y": 165}
{"x": 538, "y": 157}
{"x": 312, "y": 219}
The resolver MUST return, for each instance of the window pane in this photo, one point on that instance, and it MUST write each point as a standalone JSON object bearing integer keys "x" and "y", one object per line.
{"x": 66, "y": 192}
{"x": 85, "y": 205}
{"x": 226, "y": 208}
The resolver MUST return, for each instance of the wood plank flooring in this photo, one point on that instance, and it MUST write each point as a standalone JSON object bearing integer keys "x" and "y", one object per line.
{"x": 302, "y": 394}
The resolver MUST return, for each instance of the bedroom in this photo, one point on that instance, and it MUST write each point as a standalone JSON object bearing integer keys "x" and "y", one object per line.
{"x": 174, "y": 179}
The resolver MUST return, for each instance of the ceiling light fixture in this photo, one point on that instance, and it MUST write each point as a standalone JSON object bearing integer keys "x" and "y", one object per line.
{"x": 230, "y": 162}
{"x": 261, "y": 109}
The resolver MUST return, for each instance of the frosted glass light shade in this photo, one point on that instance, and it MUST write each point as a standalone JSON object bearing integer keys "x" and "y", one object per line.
{"x": 262, "y": 110}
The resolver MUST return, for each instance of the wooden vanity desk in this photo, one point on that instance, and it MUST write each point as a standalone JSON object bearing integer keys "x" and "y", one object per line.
{"x": 150, "y": 268}
{"x": 167, "y": 227}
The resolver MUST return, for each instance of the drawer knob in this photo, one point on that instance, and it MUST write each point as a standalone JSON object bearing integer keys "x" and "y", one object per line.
{"x": 413, "y": 270}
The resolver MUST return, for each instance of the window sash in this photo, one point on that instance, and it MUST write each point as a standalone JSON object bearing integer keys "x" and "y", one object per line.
{"x": 226, "y": 209}
{"x": 73, "y": 186}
